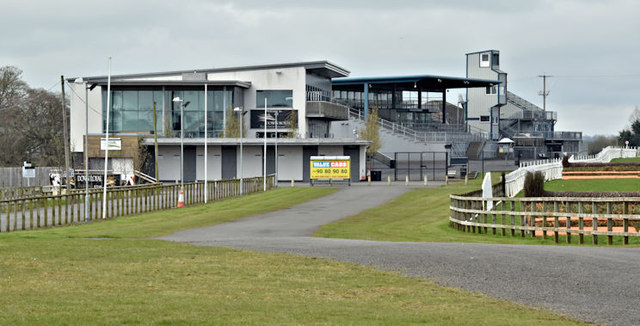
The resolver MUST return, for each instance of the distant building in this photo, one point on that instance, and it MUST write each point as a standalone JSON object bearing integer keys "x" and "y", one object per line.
{"x": 498, "y": 113}
{"x": 302, "y": 89}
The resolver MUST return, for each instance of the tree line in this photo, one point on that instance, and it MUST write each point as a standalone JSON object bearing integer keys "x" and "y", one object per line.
{"x": 31, "y": 126}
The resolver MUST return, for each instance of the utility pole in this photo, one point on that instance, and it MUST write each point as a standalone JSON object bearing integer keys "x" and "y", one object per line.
{"x": 544, "y": 91}
{"x": 155, "y": 141}
{"x": 65, "y": 132}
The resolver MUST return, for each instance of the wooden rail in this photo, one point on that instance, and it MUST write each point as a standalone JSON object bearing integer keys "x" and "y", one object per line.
{"x": 34, "y": 212}
{"x": 548, "y": 216}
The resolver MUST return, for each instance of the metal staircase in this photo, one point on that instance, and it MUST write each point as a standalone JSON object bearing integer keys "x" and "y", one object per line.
{"x": 459, "y": 140}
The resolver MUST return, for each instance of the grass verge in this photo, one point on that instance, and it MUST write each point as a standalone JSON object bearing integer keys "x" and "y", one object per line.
{"x": 626, "y": 160}
{"x": 68, "y": 276}
{"x": 423, "y": 215}
{"x": 593, "y": 185}
{"x": 121, "y": 281}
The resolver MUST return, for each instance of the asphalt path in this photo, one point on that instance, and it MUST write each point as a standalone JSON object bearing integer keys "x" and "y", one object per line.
{"x": 597, "y": 285}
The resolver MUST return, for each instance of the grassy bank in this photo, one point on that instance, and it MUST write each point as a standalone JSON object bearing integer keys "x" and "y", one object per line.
{"x": 423, "y": 215}
{"x": 106, "y": 273}
{"x": 626, "y": 160}
{"x": 593, "y": 185}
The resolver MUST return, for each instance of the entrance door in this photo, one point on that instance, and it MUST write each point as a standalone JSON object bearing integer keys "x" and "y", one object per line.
{"x": 228, "y": 162}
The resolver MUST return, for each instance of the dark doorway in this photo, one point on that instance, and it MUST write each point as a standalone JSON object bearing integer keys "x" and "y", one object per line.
{"x": 189, "y": 164}
{"x": 228, "y": 162}
{"x": 354, "y": 153}
{"x": 307, "y": 152}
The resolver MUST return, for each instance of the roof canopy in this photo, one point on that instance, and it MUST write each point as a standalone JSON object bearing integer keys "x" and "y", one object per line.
{"x": 422, "y": 82}
{"x": 322, "y": 68}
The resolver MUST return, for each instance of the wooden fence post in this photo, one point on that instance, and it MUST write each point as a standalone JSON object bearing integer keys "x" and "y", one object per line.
{"x": 581, "y": 223}
{"x": 594, "y": 210}
{"x": 609, "y": 224}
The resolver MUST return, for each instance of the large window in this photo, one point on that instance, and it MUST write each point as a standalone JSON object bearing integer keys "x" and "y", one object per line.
{"x": 217, "y": 101}
{"x": 275, "y": 98}
{"x": 132, "y": 110}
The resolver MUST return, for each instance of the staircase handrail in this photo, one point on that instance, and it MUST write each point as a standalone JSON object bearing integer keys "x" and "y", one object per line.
{"x": 145, "y": 177}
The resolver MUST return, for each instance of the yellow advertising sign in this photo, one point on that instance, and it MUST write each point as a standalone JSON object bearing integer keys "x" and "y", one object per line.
{"x": 330, "y": 167}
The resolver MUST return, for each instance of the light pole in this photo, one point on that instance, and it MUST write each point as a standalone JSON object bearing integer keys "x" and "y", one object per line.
{"x": 264, "y": 157}
{"x": 183, "y": 104}
{"x": 86, "y": 146}
{"x": 276, "y": 149}
{"x": 240, "y": 117}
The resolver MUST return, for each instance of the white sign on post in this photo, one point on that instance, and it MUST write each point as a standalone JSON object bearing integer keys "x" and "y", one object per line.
{"x": 28, "y": 171}
{"x": 115, "y": 144}
{"x": 487, "y": 190}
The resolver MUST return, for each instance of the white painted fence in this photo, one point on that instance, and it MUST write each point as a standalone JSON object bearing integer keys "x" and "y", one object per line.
{"x": 552, "y": 169}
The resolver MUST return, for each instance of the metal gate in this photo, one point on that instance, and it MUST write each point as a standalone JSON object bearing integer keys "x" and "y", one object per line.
{"x": 417, "y": 165}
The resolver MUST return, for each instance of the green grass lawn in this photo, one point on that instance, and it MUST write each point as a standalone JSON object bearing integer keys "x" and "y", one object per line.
{"x": 423, "y": 215}
{"x": 593, "y": 185}
{"x": 107, "y": 273}
{"x": 625, "y": 160}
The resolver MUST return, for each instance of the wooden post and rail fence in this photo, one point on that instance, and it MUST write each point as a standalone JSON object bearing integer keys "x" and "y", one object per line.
{"x": 568, "y": 217}
{"x": 600, "y": 218}
{"x": 39, "y": 211}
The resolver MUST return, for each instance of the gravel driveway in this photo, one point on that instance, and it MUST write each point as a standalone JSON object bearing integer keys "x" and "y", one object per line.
{"x": 591, "y": 284}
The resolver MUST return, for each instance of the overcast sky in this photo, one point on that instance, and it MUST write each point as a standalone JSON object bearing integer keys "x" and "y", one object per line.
{"x": 588, "y": 46}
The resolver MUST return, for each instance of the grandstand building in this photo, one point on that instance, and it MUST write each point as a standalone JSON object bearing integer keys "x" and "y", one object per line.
{"x": 499, "y": 113}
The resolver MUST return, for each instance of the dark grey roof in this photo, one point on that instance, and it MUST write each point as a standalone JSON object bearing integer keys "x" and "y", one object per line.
{"x": 243, "y": 84}
{"x": 433, "y": 82}
{"x": 323, "y": 68}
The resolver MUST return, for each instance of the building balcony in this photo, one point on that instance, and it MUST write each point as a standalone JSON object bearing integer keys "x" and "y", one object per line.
{"x": 327, "y": 111}
{"x": 567, "y": 135}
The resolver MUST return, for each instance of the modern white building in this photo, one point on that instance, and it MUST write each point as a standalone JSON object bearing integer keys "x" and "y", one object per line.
{"x": 498, "y": 113}
{"x": 296, "y": 96}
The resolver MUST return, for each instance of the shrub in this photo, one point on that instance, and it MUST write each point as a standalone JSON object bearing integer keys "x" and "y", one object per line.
{"x": 534, "y": 184}
{"x": 565, "y": 162}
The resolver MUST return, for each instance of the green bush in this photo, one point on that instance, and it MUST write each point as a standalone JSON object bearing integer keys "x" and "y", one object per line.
{"x": 534, "y": 184}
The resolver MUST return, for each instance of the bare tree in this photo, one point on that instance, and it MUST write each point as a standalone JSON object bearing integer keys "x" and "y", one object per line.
{"x": 12, "y": 88}
{"x": 232, "y": 125}
{"x": 30, "y": 123}
{"x": 371, "y": 132}
{"x": 292, "y": 123}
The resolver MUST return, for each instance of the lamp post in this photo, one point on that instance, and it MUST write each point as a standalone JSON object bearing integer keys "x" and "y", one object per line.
{"x": 183, "y": 104}
{"x": 276, "y": 149}
{"x": 264, "y": 157}
{"x": 86, "y": 146}
{"x": 240, "y": 116}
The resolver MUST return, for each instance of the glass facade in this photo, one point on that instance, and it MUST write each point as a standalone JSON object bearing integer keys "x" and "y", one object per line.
{"x": 275, "y": 98}
{"x": 132, "y": 110}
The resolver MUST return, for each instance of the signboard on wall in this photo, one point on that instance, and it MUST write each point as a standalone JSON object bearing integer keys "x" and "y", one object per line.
{"x": 257, "y": 119}
{"x": 330, "y": 167}
{"x": 115, "y": 144}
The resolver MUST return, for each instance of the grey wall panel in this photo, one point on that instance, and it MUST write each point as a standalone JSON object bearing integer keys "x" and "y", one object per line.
{"x": 354, "y": 152}
{"x": 189, "y": 164}
{"x": 228, "y": 162}
{"x": 307, "y": 152}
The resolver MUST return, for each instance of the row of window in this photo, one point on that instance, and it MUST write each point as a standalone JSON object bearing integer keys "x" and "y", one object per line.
{"x": 132, "y": 109}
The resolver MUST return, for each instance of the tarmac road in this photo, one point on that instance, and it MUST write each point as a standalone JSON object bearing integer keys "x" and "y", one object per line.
{"x": 591, "y": 284}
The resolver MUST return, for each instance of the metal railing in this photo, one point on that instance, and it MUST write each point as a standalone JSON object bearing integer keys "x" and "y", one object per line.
{"x": 418, "y": 136}
{"x": 34, "y": 212}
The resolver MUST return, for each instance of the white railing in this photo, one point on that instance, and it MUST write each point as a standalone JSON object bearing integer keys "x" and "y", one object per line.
{"x": 552, "y": 169}
{"x": 418, "y": 136}
{"x": 606, "y": 155}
